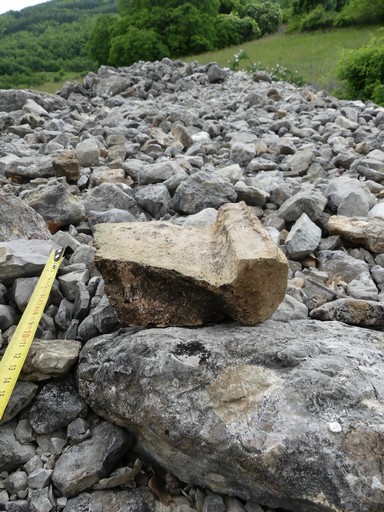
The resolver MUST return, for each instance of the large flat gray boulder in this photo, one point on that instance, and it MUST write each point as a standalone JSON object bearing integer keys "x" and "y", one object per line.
{"x": 284, "y": 414}
{"x": 162, "y": 274}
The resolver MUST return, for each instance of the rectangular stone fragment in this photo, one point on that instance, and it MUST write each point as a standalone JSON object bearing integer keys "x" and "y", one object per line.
{"x": 162, "y": 274}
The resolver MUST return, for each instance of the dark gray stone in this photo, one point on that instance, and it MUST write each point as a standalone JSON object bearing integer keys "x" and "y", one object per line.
{"x": 18, "y": 220}
{"x": 202, "y": 190}
{"x": 57, "y": 404}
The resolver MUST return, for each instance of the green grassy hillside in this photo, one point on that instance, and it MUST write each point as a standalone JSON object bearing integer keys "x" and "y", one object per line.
{"x": 313, "y": 55}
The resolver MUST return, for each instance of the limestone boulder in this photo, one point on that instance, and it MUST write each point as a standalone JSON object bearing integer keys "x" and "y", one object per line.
{"x": 285, "y": 414}
{"x": 365, "y": 231}
{"x": 162, "y": 274}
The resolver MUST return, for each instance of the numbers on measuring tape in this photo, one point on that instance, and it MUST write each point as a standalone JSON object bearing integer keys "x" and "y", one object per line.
{"x": 17, "y": 350}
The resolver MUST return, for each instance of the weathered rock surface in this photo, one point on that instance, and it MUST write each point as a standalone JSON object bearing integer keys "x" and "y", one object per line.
{"x": 23, "y": 258}
{"x": 51, "y": 358}
{"x": 85, "y": 463}
{"x": 161, "y": 274}
{"x": 363, "y": 231}
{"x": 18, "y": 220}
{"x": 302, "y": 400}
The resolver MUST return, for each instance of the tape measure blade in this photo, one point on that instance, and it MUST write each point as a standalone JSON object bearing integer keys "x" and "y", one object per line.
{"x": 17, "y": 350}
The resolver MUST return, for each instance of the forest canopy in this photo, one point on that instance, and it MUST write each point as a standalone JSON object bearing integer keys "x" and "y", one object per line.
{"x": 151, "y": 29}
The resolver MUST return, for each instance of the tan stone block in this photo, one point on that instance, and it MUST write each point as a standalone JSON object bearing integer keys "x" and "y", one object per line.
{"x": 161, "y": 274}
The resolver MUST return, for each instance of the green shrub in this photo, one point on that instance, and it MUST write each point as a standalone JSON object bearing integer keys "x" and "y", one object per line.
{"x": 228, "y": 6}
{"x": 268, "y": 15}
{"x": 100, "y": 40}
{"x": 362, "y": 71}
{"x": 361, "y": 12}
{"x": 317, "y": 19}
{"x": 135, "y": 45}
{"x": 189, "y": 30}
{"x": 232, "y": 30}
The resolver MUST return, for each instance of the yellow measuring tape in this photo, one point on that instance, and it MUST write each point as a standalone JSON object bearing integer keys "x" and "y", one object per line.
{"x": 18, "y": 348}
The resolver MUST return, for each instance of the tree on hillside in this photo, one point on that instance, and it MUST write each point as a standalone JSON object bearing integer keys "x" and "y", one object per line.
{"x": 180, "y": 27}
{"x": 361, "y": 12}
{"x": 100, "y": 40}
{"x": 129, "y": 7}
{"x": 229, "y": 6}
{"x": 267, "y": 14}
{"x": 305, "y": 6}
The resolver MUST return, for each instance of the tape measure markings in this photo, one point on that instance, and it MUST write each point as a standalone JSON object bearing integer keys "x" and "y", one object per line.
{"x": 17, "y": 350}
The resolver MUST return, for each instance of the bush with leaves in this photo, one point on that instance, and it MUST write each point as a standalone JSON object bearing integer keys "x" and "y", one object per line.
{"x": 317, "y": 19}
{"x": 100, "y": 40}
{"x": 136, "y": 44}
{"x": 361, "y": 12}
{"x": 232, "y": 30}
{"x": 362, "y": 71}
{"x": 268, "y": 15}
{"x": 229, "y": 6}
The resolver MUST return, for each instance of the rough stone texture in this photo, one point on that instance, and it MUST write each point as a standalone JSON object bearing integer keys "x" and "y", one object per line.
{"x": 51, "y": 358}
{"x": 22, "y": 395}
{"x": 340, "y": 266}
{"x": 202, "y": 190}
{"x": 83, "y": 464}
{"x": 310, "y": 202}
{"x": 12, "y": 453}
{"x": 363, "y": 231}
{"x": 113, "y": 501}
{"x": 18, "y": 220}
{"x": 23, "y": 258}
{"x": 66, "y": 164}
{"x": 163, "y": 123}
{"x": 289, "y": 414}
{"x": 303, "y": 238}
{"x": 56, "y": 205}
{"x": 160, "y": 274}
{"x": 352, "y": 311}
{"x": 57, "y": 404}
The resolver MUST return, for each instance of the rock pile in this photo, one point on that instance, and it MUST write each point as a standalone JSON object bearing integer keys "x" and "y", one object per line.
{"x": 286, "y": 415}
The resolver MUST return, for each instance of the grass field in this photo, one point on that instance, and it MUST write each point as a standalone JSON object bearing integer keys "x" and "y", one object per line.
{"x": 313, "y": 55}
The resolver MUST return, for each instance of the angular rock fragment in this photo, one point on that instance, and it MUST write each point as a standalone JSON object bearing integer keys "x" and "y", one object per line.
{"x": 18, "y": 220}
{"x": 50, "y": 359}
{"x": 57, "y": 404}
{"x": 66, "y": 164}
{"x": 203, "y": 189}
{"x": 56, "y": 205}
{"x": 12, "y": 453}
{"x": 340, "y": 266}
{"x": 85, "y": 463}
{"x": 303, "y": 238}
{"x": 23, "y": 258}
{"x": 161, "y": 274}
{"x": 311, "y": 202}
{"x": 365, "y": 231}
{"x": 365, "y": 313}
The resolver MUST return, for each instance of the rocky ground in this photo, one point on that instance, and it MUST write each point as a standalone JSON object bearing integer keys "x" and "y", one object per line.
{"x": 286, "y": 415}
